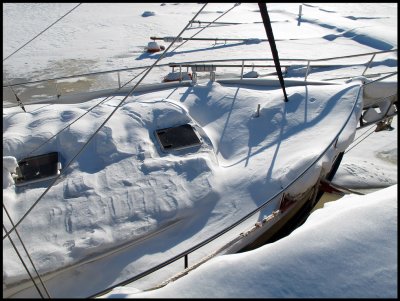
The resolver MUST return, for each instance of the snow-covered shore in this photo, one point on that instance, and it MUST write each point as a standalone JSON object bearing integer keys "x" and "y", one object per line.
{"x": 348, "y": 249}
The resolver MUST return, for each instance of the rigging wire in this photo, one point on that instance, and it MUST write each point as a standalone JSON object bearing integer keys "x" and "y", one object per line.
{"x": 367, "y": 131}
{"x": 101, "y": 126}
{"x": 362, "y": 134}
{"x": 41, "y": 32}
{"x": 236, "y": 4}
{"x": 29, "y": 257}
{"x": 374, "y": 124}
{"x": 361, "y": 139}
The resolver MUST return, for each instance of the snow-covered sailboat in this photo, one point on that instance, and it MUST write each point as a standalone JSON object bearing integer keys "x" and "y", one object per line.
{"x": 167, "y": 175}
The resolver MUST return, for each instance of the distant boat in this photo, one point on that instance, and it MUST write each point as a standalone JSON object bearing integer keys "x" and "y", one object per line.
{"x": 216, "y": 153}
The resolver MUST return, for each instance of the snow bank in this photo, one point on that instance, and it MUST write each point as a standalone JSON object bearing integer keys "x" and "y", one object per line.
{"x": 348, "y": 249}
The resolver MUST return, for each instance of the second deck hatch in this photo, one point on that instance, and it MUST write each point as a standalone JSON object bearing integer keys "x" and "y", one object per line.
{"x": 178, "y": 137}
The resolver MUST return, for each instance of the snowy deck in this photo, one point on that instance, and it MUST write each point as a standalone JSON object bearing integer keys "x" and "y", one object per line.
{"x": 148, "y": 204}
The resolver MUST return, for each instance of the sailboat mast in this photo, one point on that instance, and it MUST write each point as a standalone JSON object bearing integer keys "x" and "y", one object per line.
{"x": 271, "y": 39}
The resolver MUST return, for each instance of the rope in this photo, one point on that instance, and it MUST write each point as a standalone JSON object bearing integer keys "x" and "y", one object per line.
{"x": 362, "y": 134}
{"x": 18, "y": 100}
{"x": 26, "y": 251}
{"x": 360, "y": 140}
{"x": 101, "y": 126}
{"x": 15, "y": 94}
{"x": 40, "y": 33}
{"x": 237, "y": 4}
{"x": 339, "y": 187}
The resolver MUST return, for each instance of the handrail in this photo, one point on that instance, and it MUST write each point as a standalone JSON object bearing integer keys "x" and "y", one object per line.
{"x": 173, "y": 64}
{"x": 354, "y": 55}
{"x": 241, "y": 220}
{"x": 365, "y": 75}
{"x": 212, "y": 74}
{"x": 288, "y": 59}
{"x": 309, "y": 61}
{"x": 82, "y": 75}
{"x": 381, "y": 78}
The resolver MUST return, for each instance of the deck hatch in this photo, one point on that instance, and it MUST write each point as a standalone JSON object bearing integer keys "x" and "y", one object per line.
{"x": 38, "y": 168}
{"x": 178, "y": 137}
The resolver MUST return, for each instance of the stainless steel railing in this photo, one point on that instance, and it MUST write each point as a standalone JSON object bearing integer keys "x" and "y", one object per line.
{"x": 57, "y": 87}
